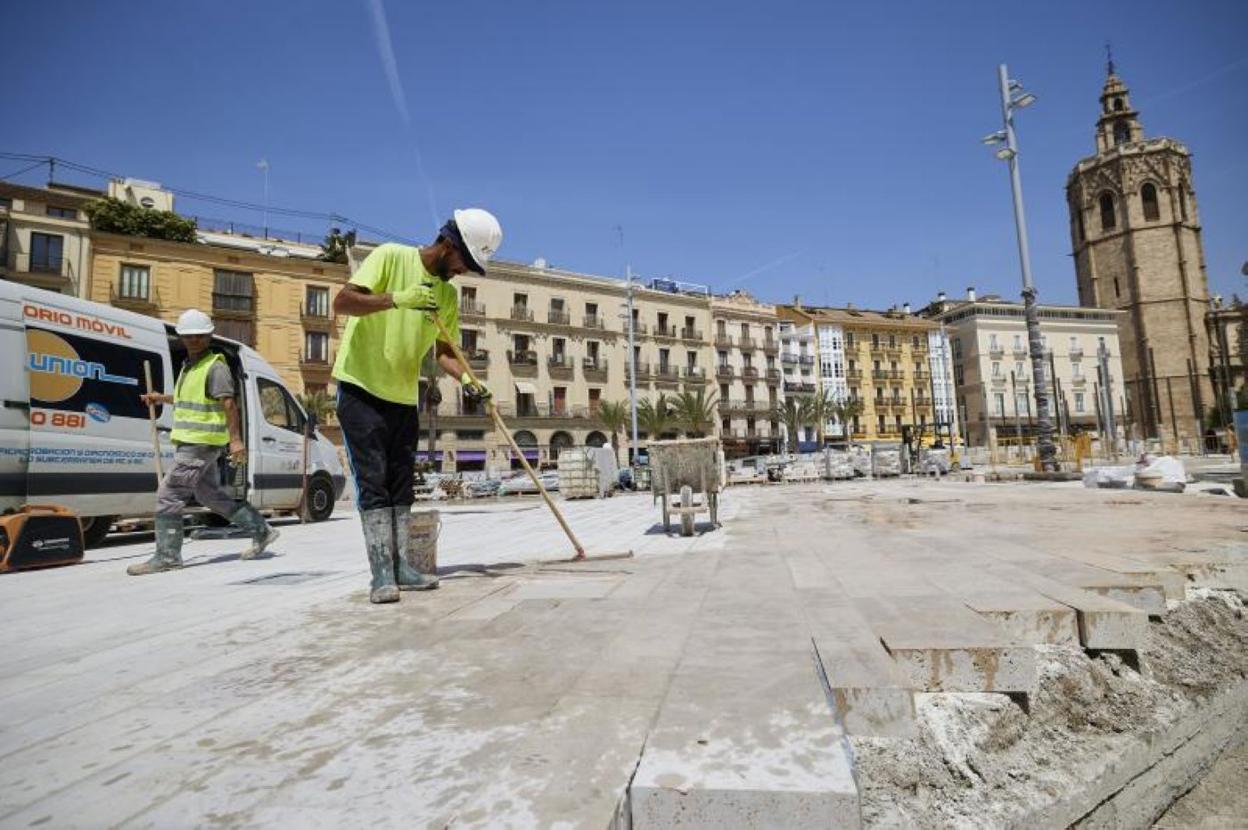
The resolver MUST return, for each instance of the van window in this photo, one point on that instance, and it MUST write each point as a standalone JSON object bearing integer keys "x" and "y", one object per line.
{"x": 72, "y": 373}
{"x": 279, "y": 408}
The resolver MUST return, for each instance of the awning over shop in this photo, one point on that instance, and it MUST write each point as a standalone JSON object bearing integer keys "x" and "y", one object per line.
{"x": 470, "y": 455}
{"x": 530, "y": 453}
{"x": 423, "y": 455}
{"x": 524, "y": 387}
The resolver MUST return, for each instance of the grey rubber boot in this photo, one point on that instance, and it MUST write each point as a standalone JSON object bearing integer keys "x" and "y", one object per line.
{"x": 262, "y": 535}
{"x": 409, "y": 578}
{"x": 379, "y": 544}
{"x": 168, "y": 556}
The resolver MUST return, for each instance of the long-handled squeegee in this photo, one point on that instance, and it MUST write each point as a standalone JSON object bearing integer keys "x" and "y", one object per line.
{"x": 580, "y": 556}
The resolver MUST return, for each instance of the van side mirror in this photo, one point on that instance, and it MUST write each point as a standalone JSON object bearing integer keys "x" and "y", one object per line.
{"x": 311, "y": 423}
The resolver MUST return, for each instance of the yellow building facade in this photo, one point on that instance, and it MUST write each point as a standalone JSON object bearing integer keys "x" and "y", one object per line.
{"x": 280, "y": 306}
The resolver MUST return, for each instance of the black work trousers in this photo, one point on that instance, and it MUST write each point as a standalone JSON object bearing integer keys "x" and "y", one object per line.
{"x": 381, "y": 438}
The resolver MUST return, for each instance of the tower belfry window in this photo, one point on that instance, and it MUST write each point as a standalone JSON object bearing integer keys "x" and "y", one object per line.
{"x": 1117, "y": 105}
{"x": 1109, "y": 217}
{"x": 1148, "y": 195}
{"x": 1122, "y": 134}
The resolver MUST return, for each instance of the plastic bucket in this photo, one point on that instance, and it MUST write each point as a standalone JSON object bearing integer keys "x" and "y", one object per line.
{"x": 422, "y": 541}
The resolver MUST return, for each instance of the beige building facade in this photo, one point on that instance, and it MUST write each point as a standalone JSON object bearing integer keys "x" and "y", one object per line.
{"x": 45, "y": 238}
{"x": 552, "y": 346}
{"x": 1136, "y": 236}
{"x": 748, "y": 379}
{"x": 992, "y": 368}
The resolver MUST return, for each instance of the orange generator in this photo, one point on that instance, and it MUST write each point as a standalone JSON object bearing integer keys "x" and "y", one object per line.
{"x": 39, "y": 536}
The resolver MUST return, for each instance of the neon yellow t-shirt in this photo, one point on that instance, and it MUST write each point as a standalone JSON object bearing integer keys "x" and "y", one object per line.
{"x": 383, "y": 351}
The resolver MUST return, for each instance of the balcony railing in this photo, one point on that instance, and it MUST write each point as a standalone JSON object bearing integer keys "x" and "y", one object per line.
{"x": 593, "y": 321}
{"x": 687, "y": 333}
{"x": 886, "y": 374}
{"x": 667, "y": 373}
{"x": 695, "y": 374}
{"x": 723, "y": 341}
{"x": 1079, "y": 380}
{"x": 643, "y": 369}
{"x": 723, "y": 370}
{"x": 526, "y": 357}
{"x": 1020, "y": 352}
{"x": 146, "y": 302}
{"x": 999, "y": 380}
{"x": 471, "y": 308}
{"x": 747, "y": 344}
{"x": 558, "y": 318}
{"x": 922, "y": 376}
{"x": 853, "y": 374}
{"x": 522, "y": 313}
{"x": 1076, "y": 352}
{"x": 47, "y": 265}
{"x": 771, "y": 345}
{"x": 559, "y": 365}
{"x": 665, "y": 331}
{"x": 314, "y": 360}
{"x": 996, "y": 351}
{"x": 638, "y": 327}
{"x": 750, "y": 373}
{"x": 773, "y": 375}
{"x": 478, "y": 359}
{"x": 316, "y": 311}
{"x": 592, "y": 368}
{"x": 788, "y": 357}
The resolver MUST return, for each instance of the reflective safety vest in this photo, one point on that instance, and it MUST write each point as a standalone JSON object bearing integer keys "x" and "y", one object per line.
{"x": 198, "y": 419}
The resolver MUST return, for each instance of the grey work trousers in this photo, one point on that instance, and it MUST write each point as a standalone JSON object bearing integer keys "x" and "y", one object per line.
{"x": 195, "y": 474}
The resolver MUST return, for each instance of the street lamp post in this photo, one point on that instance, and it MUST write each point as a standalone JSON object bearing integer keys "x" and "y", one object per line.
{"x": 1013, "y": 98}
{"x": 263, "y": 164}
{"x": 632, "y": 371}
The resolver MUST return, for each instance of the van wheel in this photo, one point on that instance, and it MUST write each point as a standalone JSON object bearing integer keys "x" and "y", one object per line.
{"x": 320, "y": 499}
{"x": 95, "y": 528}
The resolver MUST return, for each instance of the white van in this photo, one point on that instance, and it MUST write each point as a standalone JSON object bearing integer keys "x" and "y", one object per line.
{"x": 74, "y": 432}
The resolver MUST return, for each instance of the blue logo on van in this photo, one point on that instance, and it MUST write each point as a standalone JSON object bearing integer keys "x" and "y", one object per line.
{"x": 97, "y": 412}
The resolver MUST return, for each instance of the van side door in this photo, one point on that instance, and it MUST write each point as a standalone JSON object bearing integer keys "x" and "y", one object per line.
{"x": 278, "y": 454}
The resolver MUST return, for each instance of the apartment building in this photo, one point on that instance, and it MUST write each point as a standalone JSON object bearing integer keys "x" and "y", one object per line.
{"x": 992, "y": 366}
{"x": 889, "y": 361}
{"x": 552, "y": 345}
{"x": 279, "y": 305}
{"x": 45, "y": 238}
{"x": 746, "y": 339}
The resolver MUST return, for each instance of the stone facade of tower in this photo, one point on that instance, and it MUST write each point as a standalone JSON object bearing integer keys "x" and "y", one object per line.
{"x": 1137, "y": 248}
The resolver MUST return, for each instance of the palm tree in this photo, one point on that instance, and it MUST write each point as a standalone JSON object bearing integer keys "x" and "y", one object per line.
{"x": 655, "y": 418}
{"x": 614, "y": 417}
{"x": 794, "y": 413}
{"x": 694, "y": 412}
{"x": 821, "y": 409}
{"x": 318, "y": 404}
{"x": 845, "y": 411}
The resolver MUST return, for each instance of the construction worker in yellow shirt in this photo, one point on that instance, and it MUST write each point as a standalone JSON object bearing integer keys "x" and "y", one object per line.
{"x": 378, "y": 372}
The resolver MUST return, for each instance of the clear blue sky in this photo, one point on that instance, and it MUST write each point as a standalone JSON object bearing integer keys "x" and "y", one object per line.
{"x": 823, "y": 149}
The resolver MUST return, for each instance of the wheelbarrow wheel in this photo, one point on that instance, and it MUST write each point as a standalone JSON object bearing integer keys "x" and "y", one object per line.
{"x": 686, "y": 511}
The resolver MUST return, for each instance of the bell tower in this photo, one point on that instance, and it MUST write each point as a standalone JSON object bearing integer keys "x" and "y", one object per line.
{"x": 1137, "y": 248}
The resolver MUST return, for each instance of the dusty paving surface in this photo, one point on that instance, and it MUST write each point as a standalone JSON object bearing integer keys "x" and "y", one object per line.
{"x": 1219, "y": 802}
{"x": 261, "y": 693}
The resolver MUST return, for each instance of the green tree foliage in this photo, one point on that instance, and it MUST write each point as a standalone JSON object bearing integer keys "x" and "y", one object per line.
{"x": 111, "y": 215}
{"x": 794, "y": 412}
{"x": 336, "y": 245}
{"x": 319, "y": 404}
{"x": 694, "y": 412}
{"x": 655, "y": 417}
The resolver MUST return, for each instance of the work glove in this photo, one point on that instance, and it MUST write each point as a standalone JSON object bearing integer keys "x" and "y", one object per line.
{"x": 419, "y": 297}
{"x": 474, "y": 389}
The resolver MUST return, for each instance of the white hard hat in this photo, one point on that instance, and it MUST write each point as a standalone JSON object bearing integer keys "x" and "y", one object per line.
{"x": 481, "y": 234}
{"x": 194, "y": 321}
